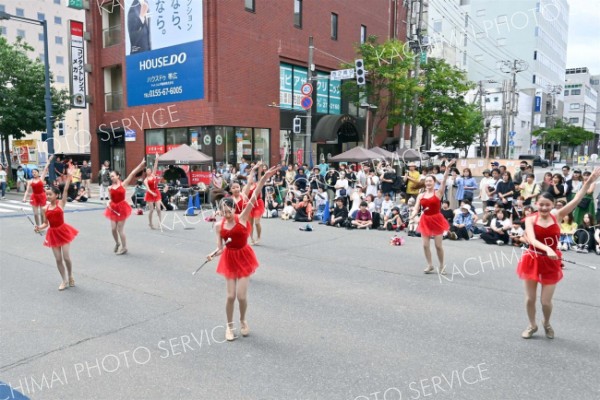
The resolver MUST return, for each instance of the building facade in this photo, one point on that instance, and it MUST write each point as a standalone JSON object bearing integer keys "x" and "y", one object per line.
{"x": 71, "y": 134}
{"x": 581, "y": 105}
{"x": 225, "y": 77}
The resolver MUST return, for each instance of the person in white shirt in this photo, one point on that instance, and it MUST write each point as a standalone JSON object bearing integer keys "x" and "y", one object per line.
{"x": 486, "y": 181}
{"x": 341, "y": 184}
{"x": 372, "y": 183}
{"x": 386, "y": 205}
{"x": 3, "y": 181}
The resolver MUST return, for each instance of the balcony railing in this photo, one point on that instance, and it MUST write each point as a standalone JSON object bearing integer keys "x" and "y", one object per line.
{"x": 111, "y": 36}
{"x": 113, "y": 101}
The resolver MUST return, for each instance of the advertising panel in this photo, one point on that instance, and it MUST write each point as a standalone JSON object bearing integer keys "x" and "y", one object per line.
{"x": 164, "y": 51}
{"x": 76, "y": 56}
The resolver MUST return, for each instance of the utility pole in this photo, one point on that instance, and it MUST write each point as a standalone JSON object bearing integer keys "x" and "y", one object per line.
{"x": 310, "y": 75}
{"x": 416, "y": 45}
{"x": 513, "y": 68}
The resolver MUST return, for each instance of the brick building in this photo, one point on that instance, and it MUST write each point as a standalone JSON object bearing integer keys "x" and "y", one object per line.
{"x": 247, "y": 56}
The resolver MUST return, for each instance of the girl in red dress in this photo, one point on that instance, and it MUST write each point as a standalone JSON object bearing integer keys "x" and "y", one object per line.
{"x": 238, "y": 198}
{"x": 259, "y": 207}
{"x": 542, "y": 262}
{"x": 59, "y": 235}
{"x": 38, "y": 197}
{"x": 153, "y": 197}
{"x": 118, "y": 209}
{"x": 432, "y": 223}
{"x": 238, "y": 260}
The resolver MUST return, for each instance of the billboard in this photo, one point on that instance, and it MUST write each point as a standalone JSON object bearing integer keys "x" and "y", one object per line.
{"x": 291, "y": 79}
{"x": 76, "y": 60}
{"x": 164, "y": 51}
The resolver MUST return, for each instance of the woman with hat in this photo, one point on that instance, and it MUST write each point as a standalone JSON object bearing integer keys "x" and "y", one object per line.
{"x": 412, "y": 178}
{"x": 432, "y": 223}
{"x": 462, "y": 224}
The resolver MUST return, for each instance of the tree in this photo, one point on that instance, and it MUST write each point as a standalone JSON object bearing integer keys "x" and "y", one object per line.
{"x": 564, "y": 134}
{"x": 460, "y": 128}
{"x": 22, "y": 92}
{"x": 442, "y": 104}
{"x": 388, "y": 82}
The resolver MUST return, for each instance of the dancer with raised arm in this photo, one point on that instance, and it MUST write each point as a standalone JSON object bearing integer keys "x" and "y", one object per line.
{"x": 59, "y": 235}
{"x": 541, "y": 263}
{"x": 118, "y": 209}
{"x": 238, "y": 260}
{"x": 153, "y": 196}
{"x": 38, "y": 196}
{"x": 432, "y": 223}
{"x": 259, "y": 207}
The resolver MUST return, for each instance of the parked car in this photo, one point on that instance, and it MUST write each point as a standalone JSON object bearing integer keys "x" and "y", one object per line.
{"x": 536, "y": 161}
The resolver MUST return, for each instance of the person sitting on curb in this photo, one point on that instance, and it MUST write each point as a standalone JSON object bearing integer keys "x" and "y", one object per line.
{"x": 339, "y": 213}
{"x": 462, "y": 225}
{"x": 363, "y": 219}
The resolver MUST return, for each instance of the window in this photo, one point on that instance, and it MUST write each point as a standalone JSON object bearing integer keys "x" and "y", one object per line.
{"x": 2, "y": 30}
{"x": 2, "y": 8}
{"x": 60, "y": 60}
{"x": 298, "y": 13}
{"x": 58, "y": 40}
{"x": 575, "y": 92}
{"x": 496, "y": 99}
{"x": 41, "y": 17}
{"x": 58, "y": 20}
{"x": 566, "y": 92}
{"x": 60, "y": 79}
{"x": 41, "y": 37}
{"x": 249, "y": 4}
{"x": 334, "y": 26}
{"x": 363, "y": 34}
{"x": 533, "y": 80}
{"x": 523, "y": 124}
{"x": 20, "y": 12}
{"x": 535, "y": 55}
{"x": 437, "y": 26}
{"x": 21, "y": 33}
{"x": 574, "y": 120}
{"x": 575, "y": 106}
{"x": 56, "y": 1}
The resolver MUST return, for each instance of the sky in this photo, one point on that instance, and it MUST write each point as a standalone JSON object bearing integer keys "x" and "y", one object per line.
{"x": 583, "y": 48}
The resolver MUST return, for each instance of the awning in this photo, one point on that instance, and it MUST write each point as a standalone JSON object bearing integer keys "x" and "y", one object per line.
{"x": 184, "y": 155}
{"x": 333, "y": 127}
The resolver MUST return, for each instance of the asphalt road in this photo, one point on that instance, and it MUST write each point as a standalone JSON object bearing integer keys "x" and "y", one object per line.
{"x": 334, "y": 314}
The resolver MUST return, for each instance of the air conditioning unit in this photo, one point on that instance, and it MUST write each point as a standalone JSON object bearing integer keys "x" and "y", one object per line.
{"x": 87, "y": 36}
{"x": 86, "y": 4}
{"x": 89, "y": 99}
{"x": 87, "y": 68}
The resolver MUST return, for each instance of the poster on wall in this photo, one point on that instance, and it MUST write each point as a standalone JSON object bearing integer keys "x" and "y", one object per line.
{"x": 164, "y": 51}
{"x": 76, "y": 58}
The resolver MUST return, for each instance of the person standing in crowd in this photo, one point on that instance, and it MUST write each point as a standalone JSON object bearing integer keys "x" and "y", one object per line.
{"x": 574, "y": 185}
{"x": 104, "y": 180}
{"x": 519, "y": 176}
{"x": 432, "y": 223}
{"x": 372, "y": 182}
{"x": 530, "y": 190}
{"x": 542, "y": 263}
{"x": 118, "y": 209}
{"x": 387, "y": 181}
{"x": 38, "y": 197}
{"x": 451, "y": 185}
{"x": 3, "y": 181}
{"x": 86, "y": 176}
{"x": 342, "y": 187}
{"x": 152, "y": 197}
{"x": 586, "y": 205}
{"x": 465, "y": 186}
{"x": 412, "y": 178}
{"x": 547, "y": 181}
{"x": 76, "y": 177}
{"x": 59, "y": 169}
{"x": 238, "y": 260}
{"x": 485, "y": 182}
{"x": 21, "y": 180}
{"x": 506, "y": 190}
{"x": 557, "y": 189}
{"x": 59, "y": 235}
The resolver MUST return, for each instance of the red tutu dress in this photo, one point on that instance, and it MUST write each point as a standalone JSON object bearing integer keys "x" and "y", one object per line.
{"x": 59, "y": 233}
{"x": 239, "y": 205}
{"x": 152, "y": 186}
{"x": 534, "y": 264}
{"x": 118, "y": 205}
{"x": 432, "y": 222}
{"x": 238, "y": 259}
{"x": 38, "y": 197}
{"x": 259, "y": 207}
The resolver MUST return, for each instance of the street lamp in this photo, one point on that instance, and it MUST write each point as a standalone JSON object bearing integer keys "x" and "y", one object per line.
{"x": 368, "y": 107}
{"x": 47, "y": 97}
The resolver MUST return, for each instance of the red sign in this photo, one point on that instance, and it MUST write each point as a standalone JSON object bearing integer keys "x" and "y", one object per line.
{"x": 200, "y": 176}
{"x": 155, "y": 149}
{"x": 299, "y": 156}
{"x": 172, "y": 146}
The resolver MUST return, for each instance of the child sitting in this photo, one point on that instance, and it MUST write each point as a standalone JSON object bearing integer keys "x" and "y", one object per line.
{"x": 567, "y": 229}
{"x": 288, "y": 211}
{"x": 394, "y": 221}
{"x": 515, "y": 234}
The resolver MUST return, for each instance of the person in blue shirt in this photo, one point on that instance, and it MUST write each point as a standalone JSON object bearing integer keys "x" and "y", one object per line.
{"x": 463, "y": 224}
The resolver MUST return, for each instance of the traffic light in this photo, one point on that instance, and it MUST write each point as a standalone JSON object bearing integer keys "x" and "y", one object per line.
{"x": 61, "y": 128}
{"x": 297, "y": 125}
{"x": 359, "y": 67}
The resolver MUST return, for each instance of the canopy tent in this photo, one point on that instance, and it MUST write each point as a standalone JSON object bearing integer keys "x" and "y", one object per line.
{"x": 184, "y": 155}
{"x": 406, "y": 155}
{"x": 384, "y": 152}
{"x": 356, "y": 154}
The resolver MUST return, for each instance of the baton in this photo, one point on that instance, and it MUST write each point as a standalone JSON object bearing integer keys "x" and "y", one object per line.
{"x": 110, "y": 208}
{"x": 563, "y": 260}
{"x": 210, "y": 255}
{"x": 29, "y": 218}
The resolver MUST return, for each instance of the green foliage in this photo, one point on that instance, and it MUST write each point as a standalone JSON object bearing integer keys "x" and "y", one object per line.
{"x": 22, "y": 92}
{"x": 460, "y": 128}
{"x": 565, "y": 134}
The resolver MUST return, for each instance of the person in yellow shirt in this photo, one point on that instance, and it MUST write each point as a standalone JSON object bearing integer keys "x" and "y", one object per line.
{"x": 568, "y": 227}
{"x": 412, "y": 179}
{"x": 76, "y": 178}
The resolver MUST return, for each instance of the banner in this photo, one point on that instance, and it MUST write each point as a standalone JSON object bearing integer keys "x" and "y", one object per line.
{"x": 76, "y": 61}
{"x": 164, "y": 51}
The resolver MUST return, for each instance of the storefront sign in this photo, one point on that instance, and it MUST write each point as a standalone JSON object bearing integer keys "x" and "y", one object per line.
{"x": 164, "y": 51}
{"x": 218, "y": 140}
{"x": 200, "y": 177}
{"x": 130, "y": 135}
{"x": 77, "y": 73}
{"x": 153, "y": 149}
{"x": 206, "y": 140}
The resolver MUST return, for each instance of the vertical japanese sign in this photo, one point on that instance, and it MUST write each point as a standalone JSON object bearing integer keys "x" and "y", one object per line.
{"x": 285, "y": 86}
{"x": 164, "y": 51}
{"x": 76, "y": 61}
